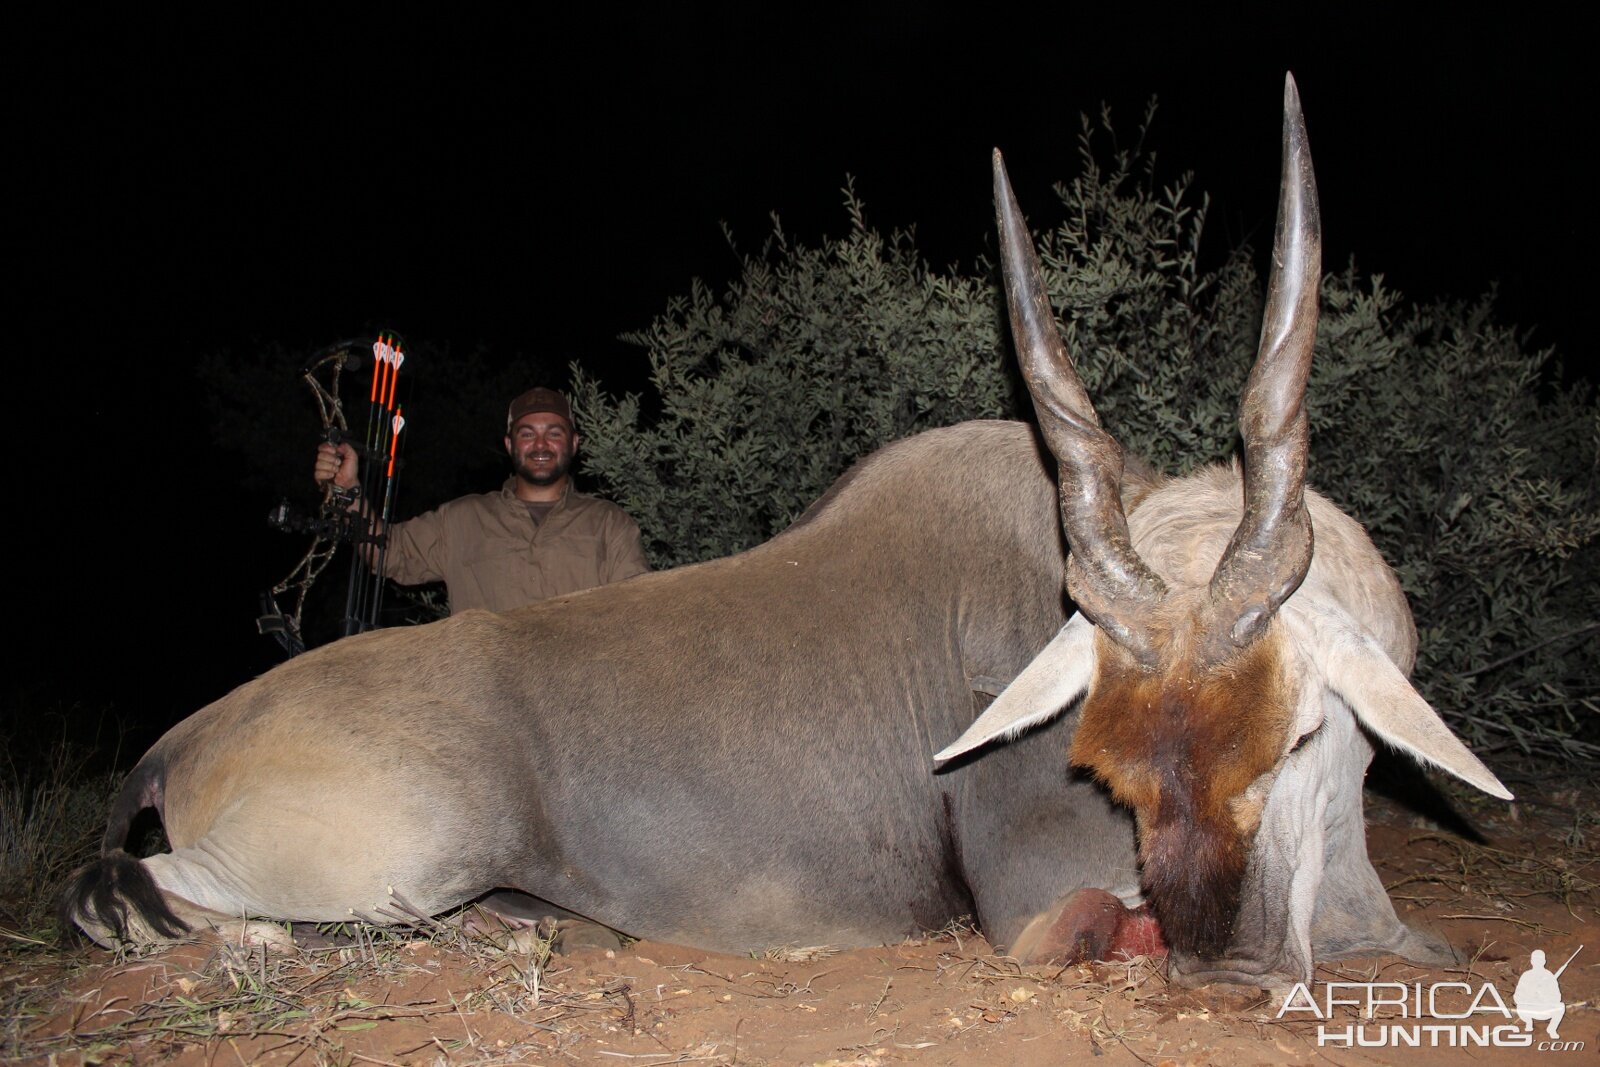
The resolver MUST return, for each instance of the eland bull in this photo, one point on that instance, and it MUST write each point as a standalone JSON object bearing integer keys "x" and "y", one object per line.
{"x": 742, "y": 753}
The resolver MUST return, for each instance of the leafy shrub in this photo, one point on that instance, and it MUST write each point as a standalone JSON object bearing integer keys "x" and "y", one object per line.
{"x": 809, "y": 360}
{"x": 1485, "y": 494}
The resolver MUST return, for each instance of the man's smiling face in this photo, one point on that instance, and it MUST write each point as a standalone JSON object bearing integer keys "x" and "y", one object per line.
{"x": 541, "y": 446}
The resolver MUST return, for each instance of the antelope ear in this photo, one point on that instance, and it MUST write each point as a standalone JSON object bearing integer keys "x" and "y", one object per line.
{"x": 1359, "y": 672}
{"x": 1057, "y": 676}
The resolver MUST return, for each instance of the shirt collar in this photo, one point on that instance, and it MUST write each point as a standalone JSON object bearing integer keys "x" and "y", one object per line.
{"x": 508, "y": 493}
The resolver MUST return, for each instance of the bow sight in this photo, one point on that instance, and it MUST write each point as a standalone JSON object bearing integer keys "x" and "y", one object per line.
{"x": 358, "y": 516}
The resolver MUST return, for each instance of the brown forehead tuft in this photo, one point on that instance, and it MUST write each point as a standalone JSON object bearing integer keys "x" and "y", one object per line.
{"x": 1224, "y": 726}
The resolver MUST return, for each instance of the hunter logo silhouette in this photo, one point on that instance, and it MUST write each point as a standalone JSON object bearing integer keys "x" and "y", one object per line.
{"x": 1538, "y": 993}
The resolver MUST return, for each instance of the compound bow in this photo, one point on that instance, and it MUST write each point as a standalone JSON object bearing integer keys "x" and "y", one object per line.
{"x": 334, "y": 523}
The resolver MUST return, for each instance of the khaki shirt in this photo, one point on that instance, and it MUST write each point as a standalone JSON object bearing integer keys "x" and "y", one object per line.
{"x": 488, "y": 552}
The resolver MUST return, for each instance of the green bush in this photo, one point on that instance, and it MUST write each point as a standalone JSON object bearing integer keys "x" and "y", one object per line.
{"x": 1435, "y": 425}
{"x": 765, "y": 393}
{"x": 1479, "y": 482}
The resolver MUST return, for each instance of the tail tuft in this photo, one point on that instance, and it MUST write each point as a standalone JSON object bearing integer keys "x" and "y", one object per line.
{"x": 114, "y": 898}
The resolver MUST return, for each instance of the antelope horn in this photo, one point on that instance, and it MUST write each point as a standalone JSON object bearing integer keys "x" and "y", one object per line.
{"x": 1106, "y": 578}
{"x": 1270, "y": 552}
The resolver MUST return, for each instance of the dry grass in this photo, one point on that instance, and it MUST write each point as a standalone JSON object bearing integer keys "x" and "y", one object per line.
{"x": 800, "y": 953}
{"x": 52, "y": 814}
{"x": 1554, "y": 854}
{"x": 1478, "y": 881}
{"x": 306, "y": 1002}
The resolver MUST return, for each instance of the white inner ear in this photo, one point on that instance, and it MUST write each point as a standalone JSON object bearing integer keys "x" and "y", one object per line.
{"x": 1364, "y": 677}
{"x": 1057, "y": 676}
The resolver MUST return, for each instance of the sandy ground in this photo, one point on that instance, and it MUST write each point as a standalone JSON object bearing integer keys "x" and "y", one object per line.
{"x": 1527, "y": 881}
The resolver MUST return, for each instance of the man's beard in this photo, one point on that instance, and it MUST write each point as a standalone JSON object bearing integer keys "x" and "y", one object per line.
{"x": 551, "y": 476}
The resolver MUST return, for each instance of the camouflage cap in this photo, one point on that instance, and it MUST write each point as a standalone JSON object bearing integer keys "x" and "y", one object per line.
{"x": 540, "y": 399}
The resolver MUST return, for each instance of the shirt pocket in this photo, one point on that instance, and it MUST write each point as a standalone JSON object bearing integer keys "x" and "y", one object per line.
{"x": 501, "y": 576}
{"x": 570, "y": 562}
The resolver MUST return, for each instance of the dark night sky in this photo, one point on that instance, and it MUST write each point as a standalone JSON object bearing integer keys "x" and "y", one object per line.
{"x": 541, "y": 186}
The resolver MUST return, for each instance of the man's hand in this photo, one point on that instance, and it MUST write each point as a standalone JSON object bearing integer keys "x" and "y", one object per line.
{"x": 339, "y": 464}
